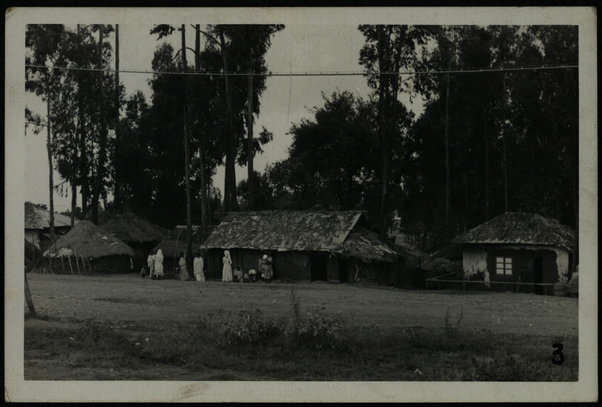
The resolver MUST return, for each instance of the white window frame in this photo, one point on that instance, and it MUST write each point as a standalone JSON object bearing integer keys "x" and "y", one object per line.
{"x": 503, "y": 266}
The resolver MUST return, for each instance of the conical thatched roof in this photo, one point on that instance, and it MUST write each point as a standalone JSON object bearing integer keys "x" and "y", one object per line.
{"x": 87, "y": 240}
{"x": 521, "y": 228}
{"x": 133, "y": 229}
{"x": 364, "y": 245}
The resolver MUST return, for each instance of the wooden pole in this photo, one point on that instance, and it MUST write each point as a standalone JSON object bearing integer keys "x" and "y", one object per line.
{"x": 77, "y": 264}
{"x": 62, "y": 265}
{"x": 70, "y": 266}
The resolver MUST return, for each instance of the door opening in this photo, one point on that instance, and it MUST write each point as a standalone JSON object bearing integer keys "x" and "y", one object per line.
{"x": 319, "y": 262}
{"x": 538, "y": 274}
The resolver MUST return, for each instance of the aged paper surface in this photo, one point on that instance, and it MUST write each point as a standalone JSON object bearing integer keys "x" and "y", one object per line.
{"x": 17, "y": 389}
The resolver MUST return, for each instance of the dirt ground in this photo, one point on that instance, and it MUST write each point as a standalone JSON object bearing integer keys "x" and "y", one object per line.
{"x": 128, "y": 298}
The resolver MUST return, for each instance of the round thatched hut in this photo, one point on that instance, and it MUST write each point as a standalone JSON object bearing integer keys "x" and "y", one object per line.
{"x": 89, "y": 249}
{"x": 138, "y": 233}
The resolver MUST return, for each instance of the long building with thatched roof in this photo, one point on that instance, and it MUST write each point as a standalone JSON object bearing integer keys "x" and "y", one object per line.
{"x": 87, "y": 248}
{"x": 313, "y": 244}
{"x": 519, "y": 247}
{"x": 138, "y": 233}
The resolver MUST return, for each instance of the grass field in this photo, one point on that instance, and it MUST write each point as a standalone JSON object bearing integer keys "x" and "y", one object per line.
{"x": 126, "y": 328}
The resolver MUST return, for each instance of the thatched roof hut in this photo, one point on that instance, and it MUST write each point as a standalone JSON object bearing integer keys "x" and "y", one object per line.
{"x": 89, "y": 242}
{"x": 132, "y": 229}
{"x": 520, "y": 228}
{"x": 366, "y": 246}
{"x": 519, "y": 247}
{"x": 315, "y": 243}
{"x": 284, "y": 230}
{"x": 176, "y": 239}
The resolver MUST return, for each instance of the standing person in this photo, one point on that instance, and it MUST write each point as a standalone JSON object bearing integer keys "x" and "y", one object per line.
{"x": 183, "y": 272}
{"x": 269, "y": 269}
{"x": 227, "y": 269}
{"x": 159, "y": 264}
{"x": 197, "y": 265}
{"x": 150, "y": 262}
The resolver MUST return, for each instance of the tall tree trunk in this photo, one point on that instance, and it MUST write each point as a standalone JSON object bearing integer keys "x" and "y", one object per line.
{"x": 117, "y": 195}
{"x": 83, "y": 164}
{"x": 504, "y": 157}
{"x": 186, "y": 157}
{"x": 201, "y": 135}
{"x": 383, "y": 136}
{"x": 103, "y": 140}
{"x": 250, "y": 173}
{"x": 230, "y": 179}
{"x": 486, "y": 145}
{"x": 447, "y": 164}
{"x": 50, "y": 174}
{"x": 73, "y": 201}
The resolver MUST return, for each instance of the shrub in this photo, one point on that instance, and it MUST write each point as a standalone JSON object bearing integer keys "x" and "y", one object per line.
{"x": 320, "y": 330}
{"x": 250, "y": 329}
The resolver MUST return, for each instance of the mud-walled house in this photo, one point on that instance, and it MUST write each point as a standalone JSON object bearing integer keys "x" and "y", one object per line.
{"x": 304, "y": 245}
{"x": 519, "y": 247}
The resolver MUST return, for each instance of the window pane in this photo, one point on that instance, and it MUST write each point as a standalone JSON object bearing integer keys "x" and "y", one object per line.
{"x": 509, "y": 260}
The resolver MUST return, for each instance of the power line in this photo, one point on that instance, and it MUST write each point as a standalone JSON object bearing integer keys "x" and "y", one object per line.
{"x": 335, "y": 73}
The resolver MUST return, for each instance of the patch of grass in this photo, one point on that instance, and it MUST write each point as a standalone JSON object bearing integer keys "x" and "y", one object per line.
{"x": 248, "y": 346}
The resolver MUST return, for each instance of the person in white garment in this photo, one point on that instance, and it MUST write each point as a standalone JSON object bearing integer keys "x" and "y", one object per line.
{"x": 227, "y": 269}
{"x": 150, "y": 262}
{"x": 159, "y": 264}
{"x": 197, "y": 265}
{"x": 183, "y": 272}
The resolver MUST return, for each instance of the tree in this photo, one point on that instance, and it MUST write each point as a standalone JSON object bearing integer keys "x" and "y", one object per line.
{"x": 43, "y": 41}
{"x": 333, "y": 159}
{"x": 388, "y": 49}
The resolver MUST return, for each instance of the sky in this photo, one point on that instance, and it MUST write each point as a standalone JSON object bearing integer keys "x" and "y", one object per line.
{"x": 286, "y": 100}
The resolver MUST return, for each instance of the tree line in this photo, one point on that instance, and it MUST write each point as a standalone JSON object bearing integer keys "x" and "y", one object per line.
{"x": 484, "y": 143}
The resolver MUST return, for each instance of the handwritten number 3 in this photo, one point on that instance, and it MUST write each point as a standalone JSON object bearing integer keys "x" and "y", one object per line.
{"x": 558, "y": 356}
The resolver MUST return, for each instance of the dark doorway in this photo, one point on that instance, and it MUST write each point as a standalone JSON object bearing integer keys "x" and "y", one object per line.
{"x": 319, "y": 262}
{"x": 538, "y": 275}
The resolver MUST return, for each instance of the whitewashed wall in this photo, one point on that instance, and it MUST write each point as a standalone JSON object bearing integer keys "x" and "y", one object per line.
{"x": 474, "y": 259}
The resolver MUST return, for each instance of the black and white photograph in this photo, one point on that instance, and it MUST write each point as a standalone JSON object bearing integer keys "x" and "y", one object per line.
{"x": 285, "y": 205}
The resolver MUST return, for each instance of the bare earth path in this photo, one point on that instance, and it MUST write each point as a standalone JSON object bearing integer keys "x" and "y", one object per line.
{"x": 129, "y": 298}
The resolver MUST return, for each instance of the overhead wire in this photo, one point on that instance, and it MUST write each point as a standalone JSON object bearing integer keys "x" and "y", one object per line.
{"x": 332, "y": 73}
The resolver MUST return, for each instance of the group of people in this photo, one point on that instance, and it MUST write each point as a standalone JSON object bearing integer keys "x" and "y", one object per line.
{"x": 154, "y": 263}
{"x": 265, "y": 267}
{"x": 197, "y": 267}
{"x": 154, "y": 268}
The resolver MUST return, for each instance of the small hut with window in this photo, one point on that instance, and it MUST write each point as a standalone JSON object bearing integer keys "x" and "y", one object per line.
{"x": 519, "y": 247}
{"x": 304, "y": 245}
